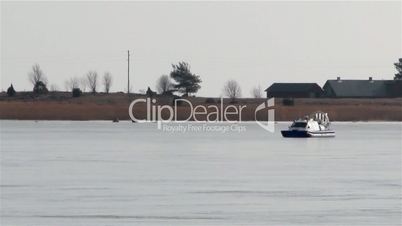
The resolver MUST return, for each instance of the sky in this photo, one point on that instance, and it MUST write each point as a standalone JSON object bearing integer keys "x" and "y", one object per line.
{"x": 254, "y": 43}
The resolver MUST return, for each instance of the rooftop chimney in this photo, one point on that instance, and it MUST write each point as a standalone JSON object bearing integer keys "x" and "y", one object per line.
{"x": 338, "y": 79}
{"x": 371, "y": 79}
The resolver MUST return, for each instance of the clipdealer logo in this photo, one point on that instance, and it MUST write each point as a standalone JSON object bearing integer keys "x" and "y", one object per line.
{"x": 220, "y": 113}
{"x": 270, "y": 124}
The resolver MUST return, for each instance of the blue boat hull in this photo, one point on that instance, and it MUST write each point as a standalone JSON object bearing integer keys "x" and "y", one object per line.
{"x": 302, "y": 133}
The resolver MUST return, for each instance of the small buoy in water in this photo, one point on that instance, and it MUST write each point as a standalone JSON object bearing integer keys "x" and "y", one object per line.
{"x": 116, "y": 120}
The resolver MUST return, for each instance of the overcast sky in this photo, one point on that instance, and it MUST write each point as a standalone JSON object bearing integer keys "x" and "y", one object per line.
{"x": 254, "y": 43}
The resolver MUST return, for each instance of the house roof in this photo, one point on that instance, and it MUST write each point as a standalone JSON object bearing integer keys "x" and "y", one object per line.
{"x": 358, "y": 88}
{"x": 293, "y": 87}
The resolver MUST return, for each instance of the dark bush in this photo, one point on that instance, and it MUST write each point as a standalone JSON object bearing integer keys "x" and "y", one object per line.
{"x": 150, "y": 93}
{"x": 288, "y": 102}
{"x": 77, "y": 92}
{"x": 10, "y": 91}
{"x": 40, "y": 88}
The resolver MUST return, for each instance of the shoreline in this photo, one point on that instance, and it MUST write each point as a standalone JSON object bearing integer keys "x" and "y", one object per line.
{"x": 107, "y": 107}
{"x": 194, "y": 122}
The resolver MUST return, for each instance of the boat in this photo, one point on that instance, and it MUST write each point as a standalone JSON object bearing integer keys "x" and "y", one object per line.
{"x": 314, "y": 125}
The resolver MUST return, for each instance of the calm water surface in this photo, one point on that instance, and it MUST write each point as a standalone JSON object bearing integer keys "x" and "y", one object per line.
{"x": 102, "y": 173}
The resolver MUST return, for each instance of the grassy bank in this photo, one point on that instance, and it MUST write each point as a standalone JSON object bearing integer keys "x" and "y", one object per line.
{"x": 61, "y": 106}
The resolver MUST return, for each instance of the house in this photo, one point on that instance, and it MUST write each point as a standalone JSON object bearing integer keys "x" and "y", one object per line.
{"x": 290, "y": 90}
{"x": 394, "y": 88}
{"x": 368, "y": 88}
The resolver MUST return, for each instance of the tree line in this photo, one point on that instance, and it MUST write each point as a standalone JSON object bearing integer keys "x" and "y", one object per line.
{"x": 91, "y": 81}
{"x": 180, "y": 80}
{"x": 75, "y": 84}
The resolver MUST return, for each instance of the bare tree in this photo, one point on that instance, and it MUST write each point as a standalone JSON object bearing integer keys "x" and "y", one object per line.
{"x": 67, "y": 85}
{"x": 75, "y": 83}
{"x": 107, "y": 81}
{"x": 53, "y": 88}
{"x": 256, "y": 92}
{"x": 83, "y": 84}
{"x": 232, "y": 89}
{"x": 92, "y": 79}
{"x": 72, "y": 83}
{"x": 37, "y": 75}
{"x": 164, "y": 84}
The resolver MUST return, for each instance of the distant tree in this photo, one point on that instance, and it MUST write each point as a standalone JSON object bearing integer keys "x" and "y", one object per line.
{"x": 67, "y": 85}
{"x": 232, "y": 89}
{"x": 256, "y": 92}
{"x": 10, "y": 91}
{"x": 37, "y": 75}
{"x": 92, "y": 79}
{"x": 72, "y": 83}
{"x": 38, "y": 80}
{"x": 76, "y": 92}
{"x": 83, "y": 84}
{"x": 186, "y": 82}
{"x": 40, "y": 88}
{"x": 107, "y": 81}
{"x": 150, "y": 93}
{"x": 164, "y": 84}
{"x": 398, "y": 66}
{"x": 53, "y": 88}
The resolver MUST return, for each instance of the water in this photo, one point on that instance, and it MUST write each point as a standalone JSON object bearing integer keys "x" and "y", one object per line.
{"x": 103, "y": 173}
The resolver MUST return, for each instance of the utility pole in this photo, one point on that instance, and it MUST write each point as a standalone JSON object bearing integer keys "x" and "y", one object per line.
{"x": 128, "y": 71}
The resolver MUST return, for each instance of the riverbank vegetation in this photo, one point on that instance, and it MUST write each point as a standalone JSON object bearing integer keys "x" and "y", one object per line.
{"x": 103, "y": 106}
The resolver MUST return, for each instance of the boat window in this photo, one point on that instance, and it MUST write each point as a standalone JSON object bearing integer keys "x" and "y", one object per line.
{"x": 299, "y": 124}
